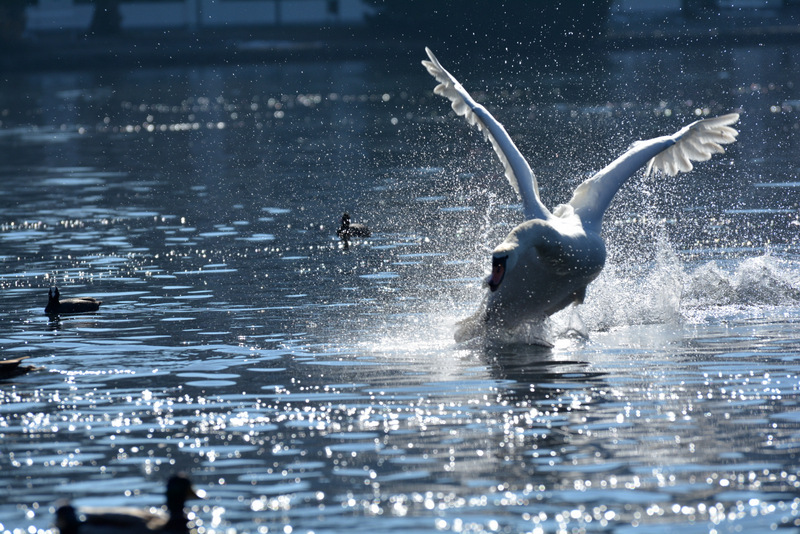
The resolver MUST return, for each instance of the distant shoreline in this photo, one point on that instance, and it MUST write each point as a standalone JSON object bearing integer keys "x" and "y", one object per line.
{"x": 64, "y": 51}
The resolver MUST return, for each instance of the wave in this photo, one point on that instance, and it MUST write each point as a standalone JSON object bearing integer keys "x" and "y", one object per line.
{"x": 668, "y": 290}
{"x": 664, "y": 291}
{"x": 761, "y": 281}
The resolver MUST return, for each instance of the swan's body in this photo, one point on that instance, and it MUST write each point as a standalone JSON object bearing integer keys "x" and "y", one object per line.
{"x": 546, "y": 262}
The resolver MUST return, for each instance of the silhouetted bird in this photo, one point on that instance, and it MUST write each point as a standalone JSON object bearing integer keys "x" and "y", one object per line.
{"x": 55, "y": 306}
{"x": 122, "y": 520}
{"x": 349, "y": 229}
{"x": 12, "y": 368}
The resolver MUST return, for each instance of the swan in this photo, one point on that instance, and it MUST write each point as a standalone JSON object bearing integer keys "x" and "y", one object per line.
{"x": 56, "y": 306}
{"x": 122, "y": 520}
{"x": 547, "y": 261}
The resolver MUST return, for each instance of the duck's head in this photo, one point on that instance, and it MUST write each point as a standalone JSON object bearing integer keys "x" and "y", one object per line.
{"x": 67, "y": 520}
{"x": 346, "y": 220}
{"x": 180, "y": 490}
{"x": 52, "y": 301}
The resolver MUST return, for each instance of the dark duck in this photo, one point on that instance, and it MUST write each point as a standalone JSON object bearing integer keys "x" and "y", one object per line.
{"x": 58, "y": 306}
{"x": 13, "y": 368}
{"x": 348, "y": 229}
{"x": 122, "y": 520}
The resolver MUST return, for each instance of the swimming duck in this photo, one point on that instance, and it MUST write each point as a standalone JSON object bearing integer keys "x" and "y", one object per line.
{"x": 55, "y": 306}
{"x": 12, "y": 368}
{"x": 546, "y": 262}
{"x": 121, "y": 520}
{"x": 350, "y": 229}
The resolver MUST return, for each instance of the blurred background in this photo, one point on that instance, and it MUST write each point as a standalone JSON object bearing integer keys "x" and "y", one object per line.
{"x": 74, "y": 33}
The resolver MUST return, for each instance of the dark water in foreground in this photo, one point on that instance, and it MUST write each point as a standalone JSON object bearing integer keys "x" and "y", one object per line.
{"x": 308, "y": 388}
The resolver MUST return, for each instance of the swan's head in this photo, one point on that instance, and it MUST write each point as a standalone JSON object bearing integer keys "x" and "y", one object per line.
{"x": 523, "y": 237}
{"x": 498, "y": 272}
{"x": 504, "y": 258}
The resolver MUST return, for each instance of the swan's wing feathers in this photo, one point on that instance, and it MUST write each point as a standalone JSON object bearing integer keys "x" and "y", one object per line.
{"x": 517, "y": 170}
{"x": 695, "y": 142}
{"x": 465, "y": 106}
{"x": 461, "y": 101}
{"x": 669, "y": 154}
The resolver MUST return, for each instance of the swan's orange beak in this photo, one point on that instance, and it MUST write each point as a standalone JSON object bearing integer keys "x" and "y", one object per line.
{"x": 498, "y": 272}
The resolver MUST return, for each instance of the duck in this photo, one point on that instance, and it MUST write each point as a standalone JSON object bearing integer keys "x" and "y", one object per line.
{"x": 122, "y": 520}
{"x": 349, "y": 229}
{"x": 547, "y": 261}
{"x": 13, "y": 368}
{"x": 56, "y": 306}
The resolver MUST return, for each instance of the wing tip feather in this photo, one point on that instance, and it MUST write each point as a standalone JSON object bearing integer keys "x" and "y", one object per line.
{"x": 697, "y": 142}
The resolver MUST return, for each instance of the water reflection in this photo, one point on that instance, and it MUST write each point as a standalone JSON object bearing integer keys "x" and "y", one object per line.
{"x": 305, "y": 386}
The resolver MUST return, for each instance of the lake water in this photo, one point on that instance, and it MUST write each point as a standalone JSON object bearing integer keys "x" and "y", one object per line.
{"x": 309, "y": 388}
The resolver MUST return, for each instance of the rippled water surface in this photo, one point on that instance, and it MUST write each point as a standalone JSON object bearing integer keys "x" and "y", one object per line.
{"x": 306, "y": 387}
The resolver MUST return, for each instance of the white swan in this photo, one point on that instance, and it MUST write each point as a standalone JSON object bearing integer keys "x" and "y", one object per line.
{"x": 546, "y": 262}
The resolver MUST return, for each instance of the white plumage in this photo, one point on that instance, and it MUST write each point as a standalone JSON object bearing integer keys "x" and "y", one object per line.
{"x": 518, "y": 172}
{"x": 696, "y": 142}
{"x": 547, "y": 261}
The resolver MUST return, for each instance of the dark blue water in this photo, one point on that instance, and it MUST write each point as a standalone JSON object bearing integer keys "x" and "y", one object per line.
{"x": 306, "y": 387}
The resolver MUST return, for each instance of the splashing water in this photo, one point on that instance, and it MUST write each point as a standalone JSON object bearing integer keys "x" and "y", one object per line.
{"x": 664, "y": 291}
{"x": 762, "y": 280}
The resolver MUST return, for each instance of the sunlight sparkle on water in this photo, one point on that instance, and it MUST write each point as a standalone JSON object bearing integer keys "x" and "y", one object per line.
{"x": 310, "y": 388}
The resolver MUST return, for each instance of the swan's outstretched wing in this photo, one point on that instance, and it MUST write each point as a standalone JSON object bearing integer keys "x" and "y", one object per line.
{"x": 669, "y": 154}
{"x": 696, "y": 142}
{"x": 518, "y": 172}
